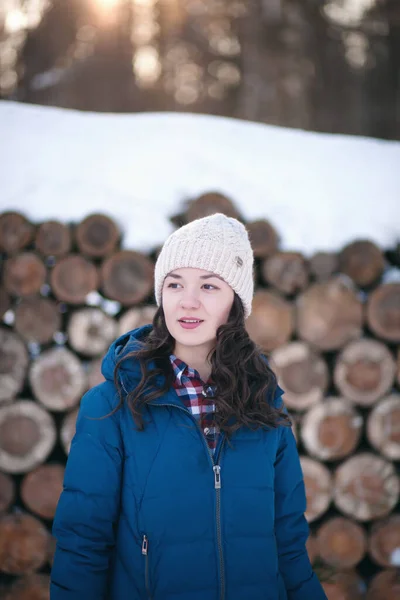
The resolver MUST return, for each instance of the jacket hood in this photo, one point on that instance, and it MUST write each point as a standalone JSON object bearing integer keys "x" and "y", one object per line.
{"x": 130, "y": 369}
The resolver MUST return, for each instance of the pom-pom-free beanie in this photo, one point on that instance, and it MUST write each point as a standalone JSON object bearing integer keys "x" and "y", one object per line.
{"x": 218, "y": 244}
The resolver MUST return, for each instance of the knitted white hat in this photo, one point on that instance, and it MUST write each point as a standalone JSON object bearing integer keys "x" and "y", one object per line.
{"x": 218, "y": 244}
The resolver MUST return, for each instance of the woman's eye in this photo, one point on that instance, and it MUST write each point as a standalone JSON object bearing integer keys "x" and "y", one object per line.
{"x": 173, "y": 285}
{"x": 209, "y": 286}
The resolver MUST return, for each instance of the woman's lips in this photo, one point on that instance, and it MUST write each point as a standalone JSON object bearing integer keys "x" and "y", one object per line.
{"x": 188, "y": 325}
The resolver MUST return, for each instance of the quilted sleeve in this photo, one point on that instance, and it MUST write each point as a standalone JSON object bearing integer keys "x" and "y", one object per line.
{"x": 87, "y": 511}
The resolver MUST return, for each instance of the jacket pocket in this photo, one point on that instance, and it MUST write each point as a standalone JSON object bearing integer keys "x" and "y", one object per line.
{"x": 145, "y": 552}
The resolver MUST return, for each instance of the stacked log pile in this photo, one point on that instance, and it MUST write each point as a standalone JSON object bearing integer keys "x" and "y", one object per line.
{"x": 330, "y": 324}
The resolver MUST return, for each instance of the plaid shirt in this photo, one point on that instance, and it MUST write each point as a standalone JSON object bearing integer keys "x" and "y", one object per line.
{"x": 189, "y": 387}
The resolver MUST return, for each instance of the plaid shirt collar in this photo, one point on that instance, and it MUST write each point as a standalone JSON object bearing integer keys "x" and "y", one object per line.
{"x": 181, "y": 369}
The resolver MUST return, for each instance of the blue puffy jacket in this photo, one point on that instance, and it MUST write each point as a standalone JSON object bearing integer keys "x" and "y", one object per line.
{"x": 142, "y": 514}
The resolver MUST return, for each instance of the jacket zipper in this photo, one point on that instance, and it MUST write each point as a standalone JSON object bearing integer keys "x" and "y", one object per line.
{"x": 217, "y": 485}
{"x": 145, "y": 552}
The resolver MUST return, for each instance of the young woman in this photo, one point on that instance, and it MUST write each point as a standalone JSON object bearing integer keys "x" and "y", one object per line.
{"x": 183, "y": 480}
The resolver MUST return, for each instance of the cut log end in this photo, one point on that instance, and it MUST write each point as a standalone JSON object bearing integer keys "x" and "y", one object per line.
{"x": 136, "y": 317}
{"x": 73, "y": 278}
{"x": 16, "y": 232}
{"x": 27, "y": 436}
{"x": 127, "y": 277}
{"x": 384, "y": 586}
{"x": 37, "y": 319}
{"x": 342, "y": 543}
{"x": 366, "y": 487}
{"x": 91, "y": 331}
{"x": 323, "y": 265}
{"x": 210, "y": 203}
{"x": 364, "y": 371}
{"x": 363, "y": 261}
{"x": 331, "y": 429}
{"x": 58, "y": 379}
{"x": 53, "y": 239}
{"x": 97, "y": 235}
{"x": 24, "y": 274}
{"x": 30, "y": 587}
{"x": 286, "y": 271}
{"x": 271, "y": 322}
{"x": 14, "y": 361}
{"x": 329, "y": 315}
{"x": 383, "y": 311}
{"x": 344, "y": 585}
{"x": 383, "y": 427}
{"x": 41, "y": 489}
{"x": 384, "y": 541}
{"x": 68, "y": 430}
{"x": 24, "y": 543}
{"x": 302, "y": 373}
{"x": 318, "y": 484}
{"x": 263, "y": 237}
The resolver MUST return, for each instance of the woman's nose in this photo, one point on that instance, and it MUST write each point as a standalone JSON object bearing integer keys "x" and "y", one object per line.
{"x": 189, "y": 300}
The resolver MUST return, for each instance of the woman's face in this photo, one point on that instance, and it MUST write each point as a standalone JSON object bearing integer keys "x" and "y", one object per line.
{"x": 195, "y": 304}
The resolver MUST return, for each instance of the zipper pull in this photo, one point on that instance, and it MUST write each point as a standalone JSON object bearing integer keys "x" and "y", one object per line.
{"x": 217, "y": 476}
{"x": 145, "y": 545}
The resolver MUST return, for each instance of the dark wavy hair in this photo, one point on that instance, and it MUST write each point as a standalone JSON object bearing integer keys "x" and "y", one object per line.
{"x": 245, "y": 384}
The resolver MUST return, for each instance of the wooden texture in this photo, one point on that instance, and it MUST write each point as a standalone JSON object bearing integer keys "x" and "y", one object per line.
{"x": 210, "y": 203}
{"x": 342, "y": 543}
{"x": 16, "y": 232}
{"x": 319, "y": 489}
{"x": 366, "y": 487}
{"x": 312, "y": 548}
{"x": 97, "y": 236}
{"x": 24, "y": 544}
{"x": 344, "y": 585}
{"x": 14, "y": 361}
{"x": 73, "y": 278}
{"x": 5, "y": 302}
{"x": 37, "y": 319}
{"x": 286, "y": 271}
{"x": 302, "y": 373}
{"x": 136, "y": 317}
{"x": 91, "y": 331}
{"x": 271, "y": 322}
{"x": 384, "y": 541}
{"x": 331, "y": 429}
{"x": 67, "y": 431}
{"x": 383, "y": 312}
{"x": 385, "y": 586}
{"x": 329, "y": 315}
{"x": 363, "y": 261}
{"x": 383, "y": 427}
{"x": 58, "y": 379}
{"x": 7, "y": 491}
{"x": 398, "y": 366}
{"x": 30, "y": 587}
{"x": 127, "y": 277}
{"x": 53, "y": 239}
{"x": 364, "y": 371}
{"x": 323, "y": 265}
{"x": 41, "y": 489}
{"x": 94, "y": 374}
{"x": 27, "y": 436}
{"x": 263, "y": 237}
{"x": 24, "y": 274}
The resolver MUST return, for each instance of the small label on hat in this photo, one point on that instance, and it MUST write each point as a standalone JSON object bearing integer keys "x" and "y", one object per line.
{"x": 239, "y": 261}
